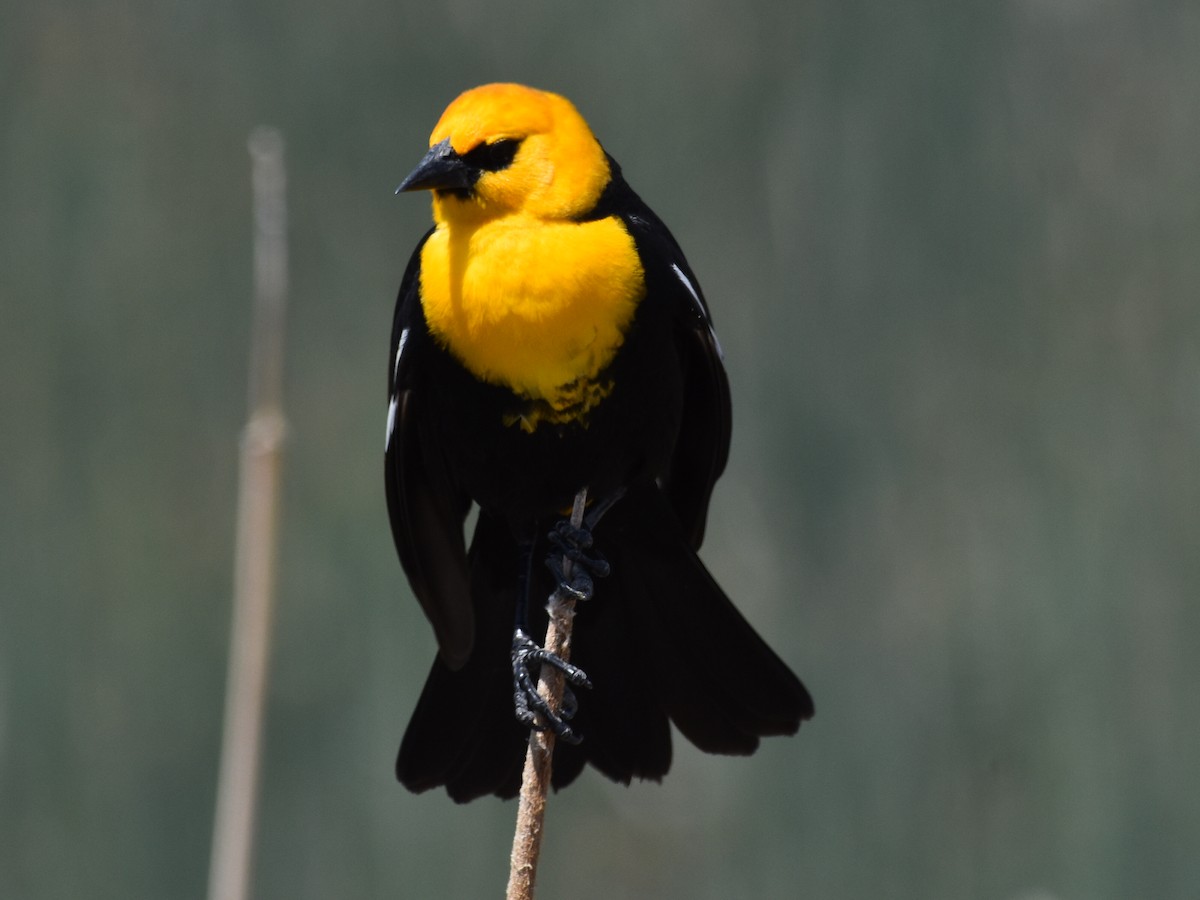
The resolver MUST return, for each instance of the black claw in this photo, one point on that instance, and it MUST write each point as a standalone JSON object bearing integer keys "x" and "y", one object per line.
{"x": 579, "y": 586}
{"x": 570, "y": 543}
{"x": 530, "y": 707}
{"x": 570, "y": 704}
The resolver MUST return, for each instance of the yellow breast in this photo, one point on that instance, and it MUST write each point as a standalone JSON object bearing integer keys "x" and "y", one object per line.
{"x": 538, "y": 307}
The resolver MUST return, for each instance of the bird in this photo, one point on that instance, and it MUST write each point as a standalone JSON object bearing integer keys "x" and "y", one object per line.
{"x": 549, "y": 335}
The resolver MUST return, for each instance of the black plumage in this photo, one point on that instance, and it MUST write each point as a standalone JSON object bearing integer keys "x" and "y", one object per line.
{"x": 660, "y": 640}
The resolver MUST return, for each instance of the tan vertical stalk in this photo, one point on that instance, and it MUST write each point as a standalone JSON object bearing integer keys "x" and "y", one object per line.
{"x": 257, "y": 526}
{"x": 535, "y": 782}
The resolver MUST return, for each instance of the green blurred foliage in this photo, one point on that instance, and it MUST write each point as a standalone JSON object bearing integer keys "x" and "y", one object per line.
{"x": 953, "y": 250}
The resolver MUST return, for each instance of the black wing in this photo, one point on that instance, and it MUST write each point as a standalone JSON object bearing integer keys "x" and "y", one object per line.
{"x": 425, "y": 509}
{"x": 702, "y": 448}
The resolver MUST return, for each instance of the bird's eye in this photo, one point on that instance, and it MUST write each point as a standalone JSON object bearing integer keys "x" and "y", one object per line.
{"x": 494, "y": 156}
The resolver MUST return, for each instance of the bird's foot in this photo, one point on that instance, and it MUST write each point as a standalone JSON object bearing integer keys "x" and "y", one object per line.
{"x": 532, "y": 709}
{"x": 571, "y": 553}
{"x": 571, "y": 544}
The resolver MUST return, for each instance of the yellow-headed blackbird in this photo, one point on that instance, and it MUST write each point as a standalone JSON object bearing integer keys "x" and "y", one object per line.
{"x": 550, "y": 335}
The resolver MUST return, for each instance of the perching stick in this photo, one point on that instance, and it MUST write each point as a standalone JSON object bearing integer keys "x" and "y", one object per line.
{"x": 535, "y": 780}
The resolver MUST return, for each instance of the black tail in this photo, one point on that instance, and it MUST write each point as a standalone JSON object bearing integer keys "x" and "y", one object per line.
{"x": 659, "y": 639}
{"x": 463, "y": 733}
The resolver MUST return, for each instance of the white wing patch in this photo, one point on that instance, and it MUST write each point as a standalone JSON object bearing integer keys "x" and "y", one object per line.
{"x": 687, "y": 284}
{"x": 399, "y": 352}
{"x": 691, "y": 288}
{"x": 394, "y": 402}
{"x": 391, "y": 422}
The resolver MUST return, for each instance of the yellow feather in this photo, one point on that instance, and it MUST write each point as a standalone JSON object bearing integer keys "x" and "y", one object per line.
{"x": 538, "y": 307}
{"x": 523, "y": 295}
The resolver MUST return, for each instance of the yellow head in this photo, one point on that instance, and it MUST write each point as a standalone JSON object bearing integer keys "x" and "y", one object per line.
{"x": 501, "y": 149}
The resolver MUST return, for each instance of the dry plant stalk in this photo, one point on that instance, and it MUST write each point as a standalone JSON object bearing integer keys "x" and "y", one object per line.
{"x": 257, "y": 526}
{"x": 535, "y": 780}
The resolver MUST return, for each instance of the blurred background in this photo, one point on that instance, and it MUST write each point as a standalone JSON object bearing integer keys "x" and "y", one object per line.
{"x": 953, "y": 253}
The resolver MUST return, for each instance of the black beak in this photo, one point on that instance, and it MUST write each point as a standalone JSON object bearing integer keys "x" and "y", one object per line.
{"x": 441, "y": 169}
